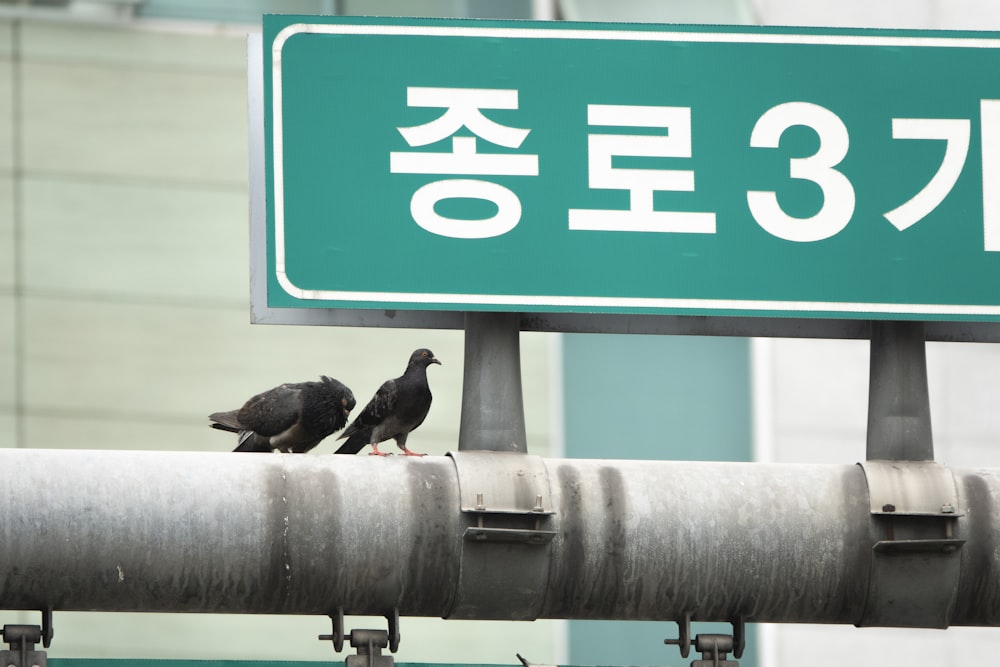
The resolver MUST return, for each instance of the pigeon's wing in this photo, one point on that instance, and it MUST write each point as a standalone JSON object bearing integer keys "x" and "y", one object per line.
{"x": 359, "y": 432}
{"x": 273, "y": 411}
{"x": 382, "y": 405}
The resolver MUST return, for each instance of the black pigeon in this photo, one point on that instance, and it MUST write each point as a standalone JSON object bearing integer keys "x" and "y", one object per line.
{"x": 398, "y": 407}
{"x": 292, "y": 417}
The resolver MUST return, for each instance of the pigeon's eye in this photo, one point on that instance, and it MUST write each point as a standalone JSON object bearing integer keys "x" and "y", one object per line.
{"x": 423, "y": 354}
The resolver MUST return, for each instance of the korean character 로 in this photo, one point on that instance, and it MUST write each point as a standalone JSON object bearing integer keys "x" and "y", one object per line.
{"x": 641, "y": 183}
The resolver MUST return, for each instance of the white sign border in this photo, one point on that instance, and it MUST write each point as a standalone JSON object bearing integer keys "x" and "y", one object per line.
{"x": 585, "y": 302}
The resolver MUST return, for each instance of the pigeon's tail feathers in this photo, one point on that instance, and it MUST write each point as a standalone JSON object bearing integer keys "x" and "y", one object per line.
{"x": 355, "y": 443}
{"x": 251, "y": 442}
{"x": 226, "y": 421}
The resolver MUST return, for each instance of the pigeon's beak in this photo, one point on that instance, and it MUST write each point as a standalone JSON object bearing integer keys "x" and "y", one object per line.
{"x": 434, "y": 360}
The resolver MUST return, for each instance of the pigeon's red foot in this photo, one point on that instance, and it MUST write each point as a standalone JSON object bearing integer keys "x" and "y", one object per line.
{"x": 376, "y": 452}
{"x": 410, "y": 452}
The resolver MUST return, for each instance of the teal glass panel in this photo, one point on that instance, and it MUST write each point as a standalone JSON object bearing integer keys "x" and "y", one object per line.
{"x": 653, "y": 398}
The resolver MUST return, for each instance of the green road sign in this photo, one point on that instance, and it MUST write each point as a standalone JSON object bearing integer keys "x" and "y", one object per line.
{"x": 602, "y": 168}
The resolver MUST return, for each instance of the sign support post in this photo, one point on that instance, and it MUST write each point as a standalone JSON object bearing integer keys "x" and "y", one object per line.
{"x": 899, "y": 412}
{"x": 492, "y": 403}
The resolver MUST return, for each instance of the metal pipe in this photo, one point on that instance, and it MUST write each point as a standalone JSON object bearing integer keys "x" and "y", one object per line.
{"x": 185, "y": 532}
{"x": 207, "y": 532}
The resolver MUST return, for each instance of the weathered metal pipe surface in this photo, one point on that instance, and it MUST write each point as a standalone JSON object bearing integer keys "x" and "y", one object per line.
{"x": 650, "y": 540}
{"x": 207, "y": 532}
{"x": 303, "y": 534}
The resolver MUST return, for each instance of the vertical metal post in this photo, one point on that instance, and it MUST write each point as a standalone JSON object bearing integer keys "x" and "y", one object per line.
{"x": 899, "y": 412}
{"x": 492, "y": 403}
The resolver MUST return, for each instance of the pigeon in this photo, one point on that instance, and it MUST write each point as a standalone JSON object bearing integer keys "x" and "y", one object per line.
{"x": 291, "y": 418}
{"x": 398, "y": 407}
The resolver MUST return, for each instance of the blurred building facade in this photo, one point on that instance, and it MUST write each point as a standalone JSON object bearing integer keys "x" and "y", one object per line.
{"x": 124, "y": 316}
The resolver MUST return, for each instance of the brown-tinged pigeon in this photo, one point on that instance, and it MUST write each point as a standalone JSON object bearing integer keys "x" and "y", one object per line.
{"x": 398, "y": 407}
{"x": 293, "y": 417}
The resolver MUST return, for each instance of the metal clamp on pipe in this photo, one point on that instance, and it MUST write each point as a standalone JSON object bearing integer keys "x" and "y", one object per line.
{"x": 506, "y": 506}
{"x": 915, "y": 509}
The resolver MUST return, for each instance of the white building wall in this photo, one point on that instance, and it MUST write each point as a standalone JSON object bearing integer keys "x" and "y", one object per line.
{"x": 813, "y": 403}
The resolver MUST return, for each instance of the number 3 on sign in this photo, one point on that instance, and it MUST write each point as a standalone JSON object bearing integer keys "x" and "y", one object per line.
{"x": 838, "y": 193}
